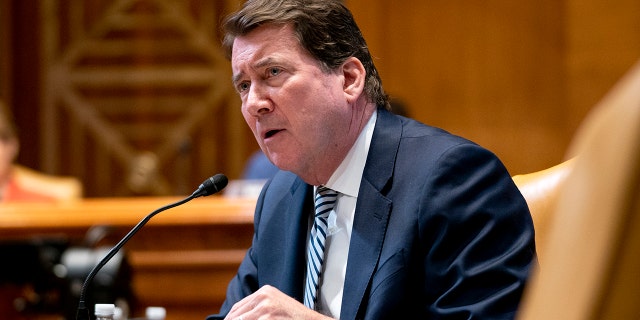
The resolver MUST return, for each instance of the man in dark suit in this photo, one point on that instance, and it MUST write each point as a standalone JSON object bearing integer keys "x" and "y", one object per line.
{"x": 424, "y": 225}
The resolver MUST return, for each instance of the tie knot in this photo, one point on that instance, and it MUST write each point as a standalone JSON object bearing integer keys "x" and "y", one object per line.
{"x": 325, "y": 201}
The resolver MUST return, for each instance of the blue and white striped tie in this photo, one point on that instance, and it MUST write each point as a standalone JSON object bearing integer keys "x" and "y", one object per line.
{"x": 325, "y": 200}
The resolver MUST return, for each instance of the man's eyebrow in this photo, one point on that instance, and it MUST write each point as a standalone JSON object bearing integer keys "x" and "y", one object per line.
{"x": 236, "y": 77}
{"x": 261, "y": 63}
{"x": 264, "y": 62}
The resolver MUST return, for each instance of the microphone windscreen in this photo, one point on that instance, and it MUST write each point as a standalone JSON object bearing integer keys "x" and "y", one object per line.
{"x": 214, "y": 184}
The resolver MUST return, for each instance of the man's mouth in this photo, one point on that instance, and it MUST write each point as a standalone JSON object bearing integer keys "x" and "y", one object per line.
{"x": 271, "y": 133}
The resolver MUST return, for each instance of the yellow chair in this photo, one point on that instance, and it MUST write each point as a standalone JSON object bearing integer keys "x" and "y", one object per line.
{"x": 61, "y": 188}
{"x": 540, "y": 189}
{"x": 590, "y": 262}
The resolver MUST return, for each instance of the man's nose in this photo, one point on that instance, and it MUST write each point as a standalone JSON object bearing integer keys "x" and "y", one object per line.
{"x": 258, "y": 101}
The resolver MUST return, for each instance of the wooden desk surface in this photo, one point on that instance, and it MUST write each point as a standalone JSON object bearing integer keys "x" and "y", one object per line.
{"x": 125, "y": 211}
{"x": 193, "y": 249}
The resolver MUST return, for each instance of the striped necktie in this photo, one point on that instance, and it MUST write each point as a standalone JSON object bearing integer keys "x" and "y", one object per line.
{"x": 325, "y": 200}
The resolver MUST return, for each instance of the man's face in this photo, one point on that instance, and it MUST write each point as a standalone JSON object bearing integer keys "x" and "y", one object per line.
{"x": 298, "y": 113}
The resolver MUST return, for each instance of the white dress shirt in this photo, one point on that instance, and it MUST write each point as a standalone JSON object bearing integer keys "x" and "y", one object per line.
{"x": 346, "y": 181}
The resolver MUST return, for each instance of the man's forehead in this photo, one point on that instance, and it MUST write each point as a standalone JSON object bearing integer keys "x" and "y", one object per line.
{"x": 257, "y": 41}
{"x": 263, "y": 45}
{"x": 267, "y": 32}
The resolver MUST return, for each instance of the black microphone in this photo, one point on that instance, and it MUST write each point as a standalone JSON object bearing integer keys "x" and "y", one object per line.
{"x": 208, "y": 187}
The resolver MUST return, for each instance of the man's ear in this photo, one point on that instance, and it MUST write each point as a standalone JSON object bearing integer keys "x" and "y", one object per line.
{"x": 354, "y": 78}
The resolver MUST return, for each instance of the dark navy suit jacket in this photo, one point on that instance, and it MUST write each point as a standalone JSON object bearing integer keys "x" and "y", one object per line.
{"x": 440, "y": 232}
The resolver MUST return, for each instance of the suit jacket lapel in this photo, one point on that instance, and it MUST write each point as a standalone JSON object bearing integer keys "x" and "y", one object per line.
{"x": 289, "y": 265}
{"x": 372, "y": 213}
{"x": 303, "y": 196}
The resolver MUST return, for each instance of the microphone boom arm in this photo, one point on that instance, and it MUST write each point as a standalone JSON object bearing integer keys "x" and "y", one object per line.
{"x": 208, "y": 187}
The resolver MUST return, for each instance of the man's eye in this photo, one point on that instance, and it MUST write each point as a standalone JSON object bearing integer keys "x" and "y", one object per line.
{"x": 274, "y": 71}
{"x": 243, "y": 86}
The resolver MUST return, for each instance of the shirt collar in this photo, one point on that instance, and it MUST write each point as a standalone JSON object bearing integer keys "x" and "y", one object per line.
{"x": 346, "y": 178}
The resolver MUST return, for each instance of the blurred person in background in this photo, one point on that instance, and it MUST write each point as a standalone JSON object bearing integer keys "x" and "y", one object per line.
{"x": 11, "y": 190}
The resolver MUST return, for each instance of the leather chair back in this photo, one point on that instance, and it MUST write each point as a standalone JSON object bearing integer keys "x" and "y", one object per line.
{"x": 540, "y": 189}
{"x": 590, "y": 265}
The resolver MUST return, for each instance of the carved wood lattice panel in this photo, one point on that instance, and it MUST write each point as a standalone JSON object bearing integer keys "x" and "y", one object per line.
{"x": 137, "y": 97}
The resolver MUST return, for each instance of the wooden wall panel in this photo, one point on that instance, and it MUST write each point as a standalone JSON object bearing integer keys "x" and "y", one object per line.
{"x": 511, "y": 76}
{"x": 131, "y": 96}
{"x": 603, "y": 42}
{"x": 136, "y": 96}
{"x": 5, "y": 52}
{"x": 516, "y": 77}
